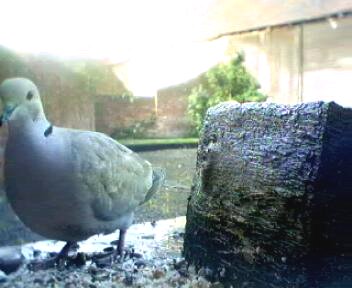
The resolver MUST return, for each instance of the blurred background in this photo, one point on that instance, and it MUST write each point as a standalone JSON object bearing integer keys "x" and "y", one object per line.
{"x": 144, "y": 72}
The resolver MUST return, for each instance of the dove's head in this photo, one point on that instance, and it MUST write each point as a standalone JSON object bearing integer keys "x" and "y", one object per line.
{"x": 21, "y": 100}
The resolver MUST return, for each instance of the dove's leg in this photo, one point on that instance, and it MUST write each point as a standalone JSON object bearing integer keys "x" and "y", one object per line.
{"x": 121, "y": 244}
{"x": 64, "y": 251}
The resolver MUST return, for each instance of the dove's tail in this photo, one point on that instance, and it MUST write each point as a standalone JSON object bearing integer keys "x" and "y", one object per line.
{"x": 158, "y": 181}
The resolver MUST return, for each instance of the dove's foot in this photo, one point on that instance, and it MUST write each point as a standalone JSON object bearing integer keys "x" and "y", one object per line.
{"x": 111, "y": 255}
{"x": 56, "y": 261}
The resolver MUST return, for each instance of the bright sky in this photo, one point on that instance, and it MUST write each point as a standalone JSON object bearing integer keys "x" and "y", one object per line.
{"x": 158, "y": 37}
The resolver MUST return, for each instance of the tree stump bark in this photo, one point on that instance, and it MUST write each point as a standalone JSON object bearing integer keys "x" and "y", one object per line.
{"x": 272, "y": 195}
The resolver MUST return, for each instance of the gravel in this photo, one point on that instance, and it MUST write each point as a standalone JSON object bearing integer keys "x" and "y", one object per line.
{"x": 150, "y": 262}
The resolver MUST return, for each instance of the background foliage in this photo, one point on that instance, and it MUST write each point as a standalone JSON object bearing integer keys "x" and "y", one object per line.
{"x": 224, "y": 82}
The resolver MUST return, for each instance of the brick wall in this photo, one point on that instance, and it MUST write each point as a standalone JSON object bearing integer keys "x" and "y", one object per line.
{"x": 171, "y": 119}
{"x": 114, "y": 113}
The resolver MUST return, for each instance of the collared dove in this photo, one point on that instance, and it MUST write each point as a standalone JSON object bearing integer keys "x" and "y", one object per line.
{"x": 68, "y": 184}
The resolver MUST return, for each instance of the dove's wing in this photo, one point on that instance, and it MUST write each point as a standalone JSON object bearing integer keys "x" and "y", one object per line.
{"x": 117, "y": 179}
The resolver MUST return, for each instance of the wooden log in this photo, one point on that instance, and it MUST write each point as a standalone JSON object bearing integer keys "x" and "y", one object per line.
{"x": 272, "y": 195}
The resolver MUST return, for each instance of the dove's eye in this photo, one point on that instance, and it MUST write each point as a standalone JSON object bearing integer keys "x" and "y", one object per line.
{"x": 30, "y": 95}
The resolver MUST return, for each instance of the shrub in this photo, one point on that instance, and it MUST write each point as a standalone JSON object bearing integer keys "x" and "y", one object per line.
{"x": 224, "y": 82}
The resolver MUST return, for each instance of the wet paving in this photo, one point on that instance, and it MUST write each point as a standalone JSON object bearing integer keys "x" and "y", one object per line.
{"x": 171, "y": 200}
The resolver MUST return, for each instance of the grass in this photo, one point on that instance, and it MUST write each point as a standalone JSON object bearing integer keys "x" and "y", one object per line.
{"x": 158, "y": 141}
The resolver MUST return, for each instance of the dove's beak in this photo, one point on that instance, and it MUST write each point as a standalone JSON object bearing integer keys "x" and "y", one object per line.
{"x": 6, "y": 115}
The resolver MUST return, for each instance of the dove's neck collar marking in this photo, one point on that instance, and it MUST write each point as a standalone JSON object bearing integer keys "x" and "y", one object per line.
{"x": 25, "y": 126}
{"x": 48, "y": 130}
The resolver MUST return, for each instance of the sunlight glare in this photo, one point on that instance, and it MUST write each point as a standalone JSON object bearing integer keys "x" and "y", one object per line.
{"x": 158, "y": 38}
{"x": 146, "y": 72}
